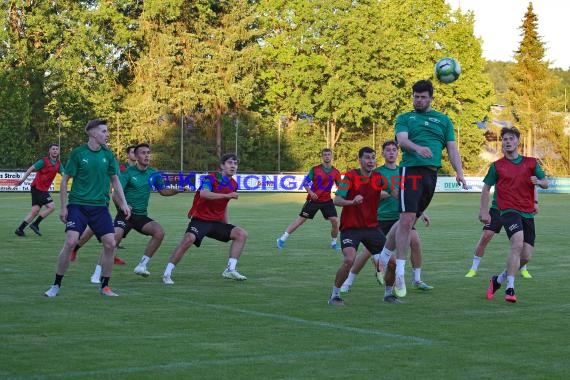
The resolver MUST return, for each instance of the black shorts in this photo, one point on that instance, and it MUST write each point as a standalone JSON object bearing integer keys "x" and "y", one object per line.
{"x": 372, "y": 238}
{"x": 495, "y": 225}
{"x": 310, "y": 208}
{"x": 40, "y": 198}
{"x": 418, "y": 186}
{"x": 386, "y": 225}
{"x": 514, "y": 222}
{"x": 213, "y": 229}
{"x": 136, "y": 222}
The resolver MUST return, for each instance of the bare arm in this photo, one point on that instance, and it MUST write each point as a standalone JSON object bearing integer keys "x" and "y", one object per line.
{"x": 342, "y": 202}
{"x": 167, "y": 192}
{"x": 311, "y": 193}
{"x": 535, "y": 200}
{"x": 484, "y": 216}
{"x": 455, "y": 160}
{"x": 63, "y": 197}
{"x": 119, "y": 196}
{"x": 425, "y": 218}
{"x": 210, "y": 195}
{"x": 408, "y": 145}
{"x": 115, "y": 198}
{"x": 543, "y": 183}
{"x": 26, "y": 174}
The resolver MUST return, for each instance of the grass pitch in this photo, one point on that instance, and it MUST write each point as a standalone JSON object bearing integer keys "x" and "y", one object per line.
{"x": 277, "y": 324}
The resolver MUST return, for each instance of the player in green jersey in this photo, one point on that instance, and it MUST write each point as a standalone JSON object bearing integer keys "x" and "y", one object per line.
{"x": 93, "y": 168}
{"x": 88, "y": 233}
{"x": 422, "y": 134}
{"x": 138, "y": 181}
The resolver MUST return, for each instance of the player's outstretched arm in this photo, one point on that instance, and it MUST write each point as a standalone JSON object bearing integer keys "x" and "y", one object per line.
{"x": 26, "y": 174}
{"x": 210, "y": 195}
{"x": 169, "y": 192}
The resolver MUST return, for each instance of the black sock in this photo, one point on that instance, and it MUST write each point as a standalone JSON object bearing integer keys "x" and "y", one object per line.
{"x": 104, "y": 281}
{"x": 23, "y": 225}
{"x": 38, "y": 220}
{"x": 58, "y": 278}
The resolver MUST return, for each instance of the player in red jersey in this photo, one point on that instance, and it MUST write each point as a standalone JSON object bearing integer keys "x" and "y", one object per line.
{"x": 515, "y": 178}
{"x": 359, "y": 194}
{"x": 320, "y": 178}
{"x": 46, "y": 169}
{"x": 209, "y": 218}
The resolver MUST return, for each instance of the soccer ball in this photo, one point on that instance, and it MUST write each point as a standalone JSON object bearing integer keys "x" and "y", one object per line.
{"x": 447, "y": 70}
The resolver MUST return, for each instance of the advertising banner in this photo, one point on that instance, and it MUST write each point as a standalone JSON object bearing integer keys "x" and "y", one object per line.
{"x": 269, "y": 182}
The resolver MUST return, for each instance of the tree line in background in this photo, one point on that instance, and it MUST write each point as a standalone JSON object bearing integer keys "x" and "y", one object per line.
{"x": 276, "y": 80}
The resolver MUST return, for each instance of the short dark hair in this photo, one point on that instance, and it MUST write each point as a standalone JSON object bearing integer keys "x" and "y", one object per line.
{"x": 228, "y": 156}
{"x": 132, "y": 146}
{"x": 389, "y": 142}
{"x": 423, "y": 86}
{"x": 326, "y": 150}
{"x": 94, "y": 124}
{"x": 141, "y": 145}
{"x": 52, "y": 144}
{"x": 511, "y": 130}
{"x": 365, "y": 150}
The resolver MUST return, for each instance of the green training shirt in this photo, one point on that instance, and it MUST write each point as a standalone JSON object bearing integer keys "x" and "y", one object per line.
{"x": 91, "y": 171}
{"x": 388, "y": 209}
{"x": 431, "y": 129}
{"x": 137, "y": 189}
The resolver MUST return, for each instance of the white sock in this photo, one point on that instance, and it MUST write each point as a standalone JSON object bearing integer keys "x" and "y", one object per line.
{"x": 417, "y": 274}
{"x": 232, "y": 263}
{"x": 388, "y": 290}
{"x": 350, "y": 279}
{"x": 502, "y": 277}
{"x": 284, "y": 236}
{"x": 510, "y": 282}
{"x": 97, "y": 271}
{"x": 335, "y": 292}
{"x": 333, "y": 240}
{"x": 144, "y": 260}
{"x": 400, "y": 267}
{"x": 376, "y": 259}
{"x": 169, "y": 268}
{"x": 385, "y": 255}
{"x": 476, "y": 261}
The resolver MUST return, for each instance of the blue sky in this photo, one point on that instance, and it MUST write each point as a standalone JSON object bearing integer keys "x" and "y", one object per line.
{"x": 497, "y": 23}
